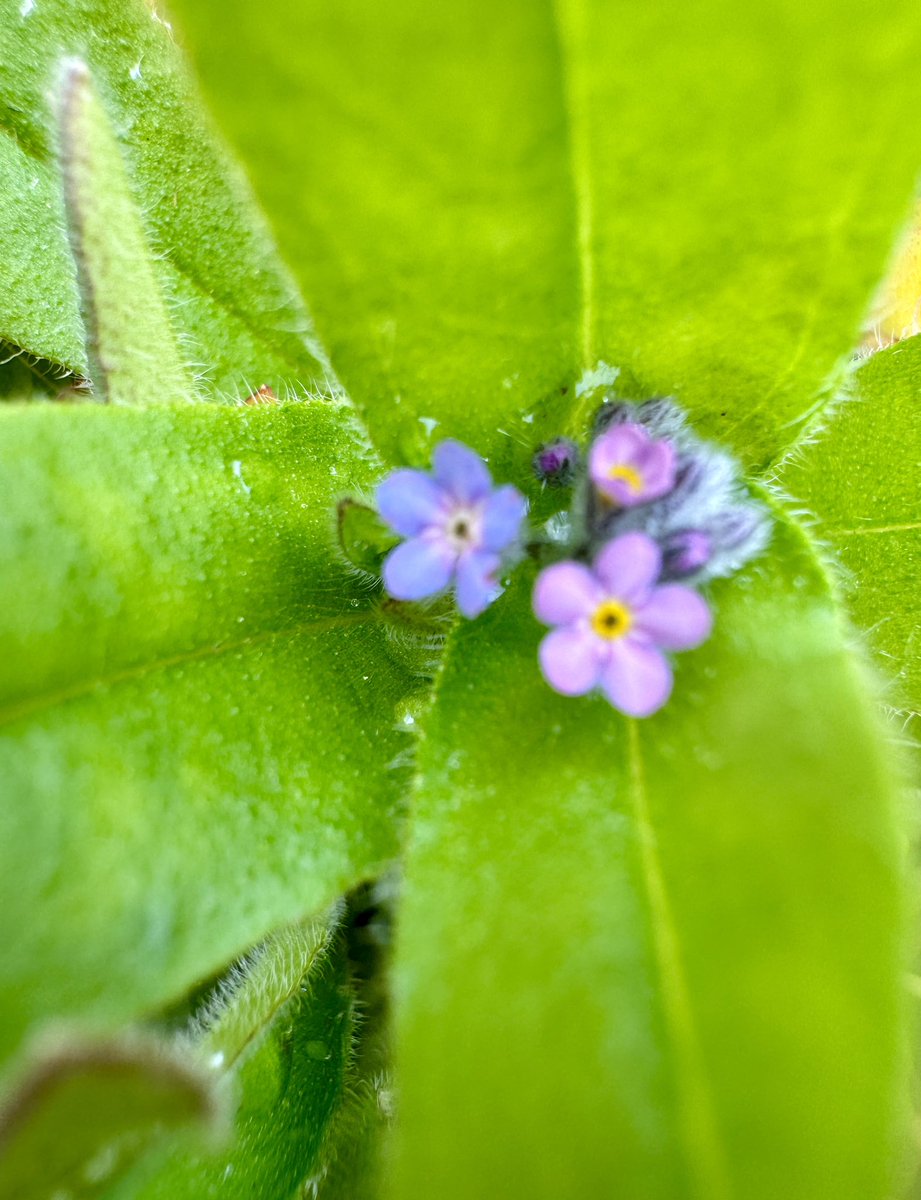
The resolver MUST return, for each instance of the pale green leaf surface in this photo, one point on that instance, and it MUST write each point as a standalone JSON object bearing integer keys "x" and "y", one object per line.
{"x": 862, "y": 479}
{"x": 721, "y": 182}
{"x": 283, "y": 1043}
{"x": 85, "y": 1109}
{"x": 354, "y": 1157}
{"x": 131, "y": 339}
{"x": 197, "y": 708}
{"x": 654, "y": 959}
{"x": 413, "y": 159}
{"x": 742, "y": 175}
{"x": 38, "y": 285}
{"x": 240, "y": 317}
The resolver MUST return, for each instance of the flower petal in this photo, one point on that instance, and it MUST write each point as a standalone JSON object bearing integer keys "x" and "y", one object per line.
{"x": 409, "y": 501}
{"x": 502, "y": 516}
{"x": 637, "y": 678}
{"x": 420, "y": 567}
{"x": 564, "y": 593}
{"x": 629, "y": 566}
{"x": 619, "y": 446}
{"x": 477, "y": 586}
{"x": 657, "y": 463}
{"x": 674, "y": 617}
{"x": 461, "y": 472}
{"x": 571, "y": 660}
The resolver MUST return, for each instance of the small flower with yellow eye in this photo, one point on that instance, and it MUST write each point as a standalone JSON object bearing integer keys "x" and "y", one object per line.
{"x": 614, "y": 620}
{"x": 629, "y": 467}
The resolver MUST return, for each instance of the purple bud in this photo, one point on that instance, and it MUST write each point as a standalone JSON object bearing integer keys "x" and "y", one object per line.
{"x": 738, "y": 526}
{"x": 686, "y": 552}
{"x": 555, "y": 463}
{"x": 661, "y": 416}
{"x": 616, "y": 412}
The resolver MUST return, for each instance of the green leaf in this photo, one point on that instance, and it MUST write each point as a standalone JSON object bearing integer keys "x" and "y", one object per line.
{"x": 199, "y": 702}
{"x": 38, "y": 283}
{"x": 436, "y": 237}
{"x": 858, "y": 472}
{"x": 83, "y": 1110}
{"x": 133, "y": 353}
{"x": 240, "y": 320}
{"x": 498, "y": 195}
{"x": 282, "y": 1038}
{"x": 656, "y": 959}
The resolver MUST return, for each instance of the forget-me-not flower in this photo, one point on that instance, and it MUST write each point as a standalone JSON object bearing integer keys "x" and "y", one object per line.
{"x": 457, "y": 526}
{"x": 630, "y": 467}
{"x": 613, "y": 623}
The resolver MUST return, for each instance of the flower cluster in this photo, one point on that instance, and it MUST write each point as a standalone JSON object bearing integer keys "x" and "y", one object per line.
{"x": 654, "y": 511}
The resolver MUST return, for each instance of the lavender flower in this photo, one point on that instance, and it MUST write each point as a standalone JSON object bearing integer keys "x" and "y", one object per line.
{"x": 458, "y": 527}
{"x": 613, "y": 622}
{"x": 628, "y": 467}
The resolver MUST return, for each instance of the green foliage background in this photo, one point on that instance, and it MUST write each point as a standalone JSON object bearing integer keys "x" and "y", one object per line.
{"x": 664, "y": 959}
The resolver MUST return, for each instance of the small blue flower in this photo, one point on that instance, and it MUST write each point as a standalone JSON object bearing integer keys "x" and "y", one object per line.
{"x": 458, "y": 528}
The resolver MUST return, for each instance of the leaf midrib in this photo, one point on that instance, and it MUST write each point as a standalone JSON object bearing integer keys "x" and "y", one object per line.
{"x": 43, "y": 701}
{"x": 699, "y": 1129}
{"x": 700, "y": 1134}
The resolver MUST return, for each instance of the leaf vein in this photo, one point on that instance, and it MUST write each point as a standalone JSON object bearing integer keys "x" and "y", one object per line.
{"x": 41, "y": 702}
{"x": 696, "y": 1116}
{"x": 863, "y": 529}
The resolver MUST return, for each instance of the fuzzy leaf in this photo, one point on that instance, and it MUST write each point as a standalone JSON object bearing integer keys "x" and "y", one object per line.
{"x": 240, "y": 321}
{"x": 198, "y": 703}
{"x": 860, "y": 477}
{"x": 654, "y": 959}
{"x": 281, "y": 1040}
{"x": 721, "y": 182}
{"x": 435, "y": 232}
{"x": 133, "y": 353}
{"x": 83, "y": 1110}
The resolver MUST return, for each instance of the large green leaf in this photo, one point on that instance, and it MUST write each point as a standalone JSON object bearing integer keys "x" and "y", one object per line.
{"x": 858, "y": 473}
{"x": 657, "y": 959}
{"x": 281, "y": 1039}
{"x": 198, "y": 696}
{"x": 725, "y": 181}
{"x": 241, "y": 320}
{"x": 431, "y": 221}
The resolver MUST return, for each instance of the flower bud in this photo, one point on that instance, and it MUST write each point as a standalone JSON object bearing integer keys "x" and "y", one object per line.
{"x": 555, "y": 463}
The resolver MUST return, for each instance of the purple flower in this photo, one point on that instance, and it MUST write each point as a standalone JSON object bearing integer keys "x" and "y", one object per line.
{"x": 555, "y": 462}
{"x": 613, "y": 623}
{"x": 627, "y": 466}
{"x": 686, "y": 552}
{"x": 457, "y": 525}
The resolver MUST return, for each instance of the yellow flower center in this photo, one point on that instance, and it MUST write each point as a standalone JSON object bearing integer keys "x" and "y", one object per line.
{"x": 611, "y": 620}
{"x": 631, "y": 477}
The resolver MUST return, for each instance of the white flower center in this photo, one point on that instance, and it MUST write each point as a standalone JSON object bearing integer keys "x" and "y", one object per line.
{"x": 463, "y": 528}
